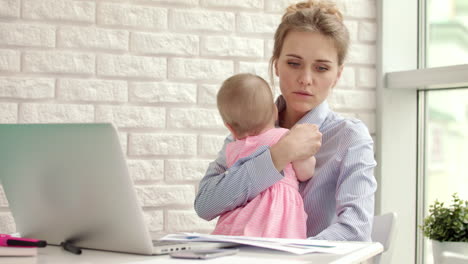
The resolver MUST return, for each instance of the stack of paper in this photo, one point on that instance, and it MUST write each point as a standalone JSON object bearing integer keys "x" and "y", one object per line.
{"x": 296, "y": 246}
{"x": 18, "y": 251}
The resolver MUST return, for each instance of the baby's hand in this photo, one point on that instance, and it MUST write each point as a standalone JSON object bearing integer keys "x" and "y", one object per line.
{"x": 304, "y": 169}
{"x": 303, "y": 140}
{"x": 300, "y": 143}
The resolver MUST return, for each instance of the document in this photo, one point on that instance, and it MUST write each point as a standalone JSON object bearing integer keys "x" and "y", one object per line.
{"x": 296, "y": 246}
{"x": 17, "y": 251}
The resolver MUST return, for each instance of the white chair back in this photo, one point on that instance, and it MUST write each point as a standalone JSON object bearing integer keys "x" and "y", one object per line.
{"x": 383, "y": 231}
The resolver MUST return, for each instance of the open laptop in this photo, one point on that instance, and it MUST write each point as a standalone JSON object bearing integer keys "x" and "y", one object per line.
{"x": 70, "y": 183}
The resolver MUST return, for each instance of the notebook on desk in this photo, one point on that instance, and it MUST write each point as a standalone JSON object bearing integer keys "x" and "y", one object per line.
{"x": 70, "y": 183}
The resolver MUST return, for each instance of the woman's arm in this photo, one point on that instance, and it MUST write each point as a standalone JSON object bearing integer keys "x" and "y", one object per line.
{"x": 222, "y": 190}
{"x": 355, "y": 190}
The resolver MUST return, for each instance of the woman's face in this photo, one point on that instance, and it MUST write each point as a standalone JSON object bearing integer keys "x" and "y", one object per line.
{"x": 307, "y": 69}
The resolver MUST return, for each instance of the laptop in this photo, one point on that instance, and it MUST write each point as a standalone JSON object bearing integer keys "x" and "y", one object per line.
{"x": 70, "y": 183}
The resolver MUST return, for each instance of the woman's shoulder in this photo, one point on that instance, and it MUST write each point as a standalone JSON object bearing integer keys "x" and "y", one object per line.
{"x": 348, "y": 128}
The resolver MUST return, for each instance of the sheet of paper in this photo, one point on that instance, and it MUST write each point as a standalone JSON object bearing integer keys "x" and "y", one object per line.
{"x": 296, "y": 246}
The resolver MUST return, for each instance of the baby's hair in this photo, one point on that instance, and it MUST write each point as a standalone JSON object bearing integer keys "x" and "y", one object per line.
{"x": 312, "y": 16}
{"x": 245, "y": 102}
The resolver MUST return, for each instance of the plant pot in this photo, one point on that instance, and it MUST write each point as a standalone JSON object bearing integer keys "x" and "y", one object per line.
{"x": 454, "y": 247}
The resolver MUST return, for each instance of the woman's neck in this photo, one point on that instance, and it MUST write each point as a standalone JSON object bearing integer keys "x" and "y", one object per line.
{"x": 288, "y": 119}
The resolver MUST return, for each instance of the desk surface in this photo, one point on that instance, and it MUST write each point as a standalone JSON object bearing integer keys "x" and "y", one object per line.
{"x": 55, "y": 255}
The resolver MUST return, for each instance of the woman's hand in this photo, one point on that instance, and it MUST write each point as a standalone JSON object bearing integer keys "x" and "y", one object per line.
{"x": 301, "y": 142}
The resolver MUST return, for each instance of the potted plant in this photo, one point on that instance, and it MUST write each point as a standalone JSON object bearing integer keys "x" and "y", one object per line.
{"x": 447, "y": 227}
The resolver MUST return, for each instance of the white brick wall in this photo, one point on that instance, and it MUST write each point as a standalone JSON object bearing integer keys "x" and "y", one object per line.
{"x": 9, "y": 8}
{"x": 27, "y": 34}
{"x": 163, "y": 195}
{"x": 146, "y": 170}
{"x": 160, "y": 92}
{"x": 185, "y": 170}
{"x": 132, "y": 15}
{"x": 24, "y": 88}
{"x": 164, "y": 43}
{"x": 9, "y": 61}
{"x": 153, "y": 69}
{"x": 59, "y": 10}
{"x": 122, "y": 66}
{"x": 58, "y": 62}
{"x": 92, "y": 38}
{"x": 9, "y": 112}
{"x": 92, "y": 90}
{"x": 198, "y": 20}
{"x": 189, "y": 69}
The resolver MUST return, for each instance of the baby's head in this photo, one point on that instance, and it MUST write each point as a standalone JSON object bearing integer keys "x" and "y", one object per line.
{"x": 245, "y": 102}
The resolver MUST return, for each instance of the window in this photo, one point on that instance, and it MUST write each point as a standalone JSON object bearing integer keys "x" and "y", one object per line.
{"x": 422, "y": 117}
{"x": 447, "y": 32}
{"x": 446, "y": 148}
{"x": 445, "y": 119}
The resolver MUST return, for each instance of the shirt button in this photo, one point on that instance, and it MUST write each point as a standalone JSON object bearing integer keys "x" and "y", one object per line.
{"x": 227, "y": 172}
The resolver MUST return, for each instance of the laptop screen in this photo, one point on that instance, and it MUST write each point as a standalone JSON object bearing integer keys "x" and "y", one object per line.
{"x": 69, "y": 182}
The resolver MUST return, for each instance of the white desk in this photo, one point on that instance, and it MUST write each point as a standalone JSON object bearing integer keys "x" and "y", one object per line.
{"x": 55, "y": 255}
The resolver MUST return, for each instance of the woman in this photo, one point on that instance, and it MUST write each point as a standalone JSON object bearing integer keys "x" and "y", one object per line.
{"x": 309, "y": 51}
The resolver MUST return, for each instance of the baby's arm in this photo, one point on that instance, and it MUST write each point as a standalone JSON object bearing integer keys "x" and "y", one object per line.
{"x": 304, "y": 168}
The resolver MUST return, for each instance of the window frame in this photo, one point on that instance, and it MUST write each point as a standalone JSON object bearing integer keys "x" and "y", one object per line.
{"x": 401, "y": 81}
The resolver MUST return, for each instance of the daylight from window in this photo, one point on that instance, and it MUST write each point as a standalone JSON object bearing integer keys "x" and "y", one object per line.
{"x": 446, "y": 116}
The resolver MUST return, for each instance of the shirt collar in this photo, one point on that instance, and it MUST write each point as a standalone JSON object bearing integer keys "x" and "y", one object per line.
{"x": 317, "y": 116}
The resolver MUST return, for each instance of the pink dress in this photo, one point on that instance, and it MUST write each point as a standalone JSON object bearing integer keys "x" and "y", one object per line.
{"x": 276, "y": 212}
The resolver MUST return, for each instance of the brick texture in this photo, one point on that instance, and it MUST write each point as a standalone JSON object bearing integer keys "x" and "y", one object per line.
{"x": 199, "y": 69}
{"x": 56, "y": 113}
{"x": 9, "y": 61}
{"x": 23, "y": 88}
{"x": 146, "y": 170}
{"x": 131, "y": 116}
{"x": 153, "y": 92}
{"x": 163, "y": 195}
{"x": 92, "y": 38}
{"x": 195, "y": 118}
{"x": 9, "y": 8}
{"x": 131, "y": 66}
{"x": 59, "y": 62}
{"x": 29, "y": 35}
{"x": 113, "y": 14}
{"x": 162, "y": 144}
{"x": 187, "y": 220}
{"x": 188, "y": 20}
{"x": 9, "y": 112}
{"x": 92, "y": 90}
{"x": 185, "y": 170}
{"x": 60, "y": 10}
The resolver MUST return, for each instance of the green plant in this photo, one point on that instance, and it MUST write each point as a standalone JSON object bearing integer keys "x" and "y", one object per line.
{"x": 447, "y": 223}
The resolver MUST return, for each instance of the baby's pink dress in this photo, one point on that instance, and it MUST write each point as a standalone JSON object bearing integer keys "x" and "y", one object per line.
{"x": 276, "y": 212}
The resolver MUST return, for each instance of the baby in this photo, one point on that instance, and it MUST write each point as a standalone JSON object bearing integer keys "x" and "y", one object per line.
{"x": 245, "y": 102}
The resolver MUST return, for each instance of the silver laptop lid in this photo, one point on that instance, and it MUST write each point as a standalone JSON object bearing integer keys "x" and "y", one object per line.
{"x": 70, "y": 182}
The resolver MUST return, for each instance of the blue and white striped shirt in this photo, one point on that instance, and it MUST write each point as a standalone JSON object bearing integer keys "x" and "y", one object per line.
{"x": 339, "y": 199}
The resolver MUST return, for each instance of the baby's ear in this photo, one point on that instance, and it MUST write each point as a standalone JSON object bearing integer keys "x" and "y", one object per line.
{"x": 233, "y": 132}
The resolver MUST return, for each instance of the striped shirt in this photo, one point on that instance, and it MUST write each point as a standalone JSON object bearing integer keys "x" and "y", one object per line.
{"x": 339, "y": 199}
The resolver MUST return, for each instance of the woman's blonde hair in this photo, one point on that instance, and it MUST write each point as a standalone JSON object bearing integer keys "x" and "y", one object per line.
{"x": 312, "y": 16}
{"x": 245, "y": 102}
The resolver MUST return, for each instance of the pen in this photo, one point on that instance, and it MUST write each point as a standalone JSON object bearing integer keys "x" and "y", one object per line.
{"x": 9, "y": 241}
